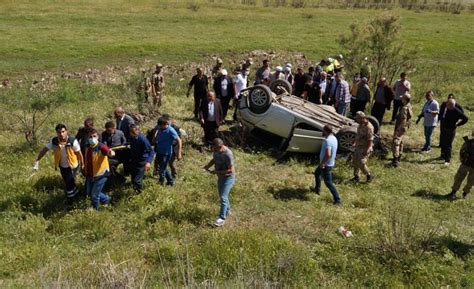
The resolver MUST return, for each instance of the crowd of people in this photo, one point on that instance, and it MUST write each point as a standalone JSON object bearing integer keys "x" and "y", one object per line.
{"x": 98, "y": 155}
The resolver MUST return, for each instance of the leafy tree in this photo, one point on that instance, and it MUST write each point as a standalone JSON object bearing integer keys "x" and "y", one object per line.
{"x": 381, "y": 43}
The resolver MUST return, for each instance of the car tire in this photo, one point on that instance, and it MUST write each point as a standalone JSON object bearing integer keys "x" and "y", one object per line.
{"x": 375, "y": 123}
{"x": 281, "y": 86}
{"x": 260, "y": 98}
{"x": 346, "y": 137}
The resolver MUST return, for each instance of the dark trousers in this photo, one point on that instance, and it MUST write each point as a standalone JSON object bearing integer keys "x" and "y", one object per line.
{"x": 115, "y": 175}
{"x": 210, "y": 130}
{"x": 225, "y": 106}
{"x": 69, "y": 176}
{"x": 357, "y": 105}
{"x": 396, "y": 108}
{"x": 197, "y": 103}
{"x": 378, "y": 110}
{"x": 326, "y": 175}
{"x": 137, "y": 170}
{"x": 446, "y": 139}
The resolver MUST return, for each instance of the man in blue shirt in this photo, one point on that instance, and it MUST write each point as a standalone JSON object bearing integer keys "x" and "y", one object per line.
{"x": 141, "y": 154}
{"x": 166, "y": 136}
{"x": 327, "y": 160}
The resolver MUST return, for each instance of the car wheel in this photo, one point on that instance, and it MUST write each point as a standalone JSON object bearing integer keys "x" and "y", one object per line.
{"x": 346, "y": 138}
{"x": 281, "y": 86}
{"x": 260, "y": 98}
{"x": 375, "y": 123}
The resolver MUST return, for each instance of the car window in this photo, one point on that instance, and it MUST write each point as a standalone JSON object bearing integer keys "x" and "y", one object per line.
{"x": 306, "y": 126}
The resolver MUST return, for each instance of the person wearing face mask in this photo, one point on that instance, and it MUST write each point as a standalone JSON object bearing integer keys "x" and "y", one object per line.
{"x": 327, "y": 160}
{"x": 67, "y": 156}
{"x": 96, "y": 168}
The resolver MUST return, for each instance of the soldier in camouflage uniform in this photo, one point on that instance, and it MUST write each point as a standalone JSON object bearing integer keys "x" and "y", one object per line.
{"x": 363, "y": 147}
{"x": 144, "y": 88}
{"x": 158, "y": 85}
{"x": 466, "y": 169}
{"x": 216, "y": 70}
{"x": 401, "y": 127}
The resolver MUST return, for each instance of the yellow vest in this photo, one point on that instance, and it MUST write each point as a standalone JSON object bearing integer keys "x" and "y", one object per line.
{"x": 71, "y": 155}
{"x": 100, "y": 162}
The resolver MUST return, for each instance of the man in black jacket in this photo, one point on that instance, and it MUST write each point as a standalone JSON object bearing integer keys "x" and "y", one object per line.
{"x": 123, "y": 122}
{"x": 225, "y": 91}
{"x": 115, "y": 138}
{"x": 450, "y": 118}
{"x": 383, "y": 97}
{"x": 211, "y": 116}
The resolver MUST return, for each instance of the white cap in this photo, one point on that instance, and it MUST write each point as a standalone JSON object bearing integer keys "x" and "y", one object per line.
{"x": 288, "y": 68}
{"x": 330, "y": 59}
{"x": 288, "y": 65}
{"x": 279, "y": 68}
{"x": 224, "y": 71}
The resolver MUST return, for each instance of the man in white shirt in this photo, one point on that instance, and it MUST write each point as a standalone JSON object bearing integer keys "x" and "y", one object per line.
{"x": 67, "y": 156}
{"x": 225, "y": 91}
{"x": 400, "y": 87}
{"x": 240, "y": 83}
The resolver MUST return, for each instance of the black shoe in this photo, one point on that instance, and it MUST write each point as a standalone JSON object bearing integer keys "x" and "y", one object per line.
{"x": 355, "y": 179}
{"x": 370, "y": 178}
{"x": 451, "y": 196}
{"x": 338, "y": 203}
{"x": 464, "y": 195}
{"x": 313, "y": 189}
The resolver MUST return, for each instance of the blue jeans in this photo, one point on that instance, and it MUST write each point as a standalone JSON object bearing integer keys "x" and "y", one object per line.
{"x": 94, "y": 188}
{"x": 428, "y": 136}
{"x": 163, "y": 172}
{"x": 326, "y": 175}
{"x": 224, "y": 185}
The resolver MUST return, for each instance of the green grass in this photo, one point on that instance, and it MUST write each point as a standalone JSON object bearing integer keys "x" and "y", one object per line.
{"x": 280, "y": 235}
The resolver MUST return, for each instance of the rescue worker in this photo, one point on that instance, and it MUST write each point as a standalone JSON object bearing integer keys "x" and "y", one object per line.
{"x": 67, "y": 156}
{"x": 363, "y": 147}
{"x": 466, "y": 169}
{"x": 158, "y": 85}
{"x": 96, "y": 168}
{"x": 402, "y": 124}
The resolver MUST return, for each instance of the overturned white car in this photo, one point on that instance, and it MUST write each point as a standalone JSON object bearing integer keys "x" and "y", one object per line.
{"x": 292, "y": 123}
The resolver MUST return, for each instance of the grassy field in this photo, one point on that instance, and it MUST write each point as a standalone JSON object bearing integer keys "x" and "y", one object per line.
{"x": 280, "y": 235}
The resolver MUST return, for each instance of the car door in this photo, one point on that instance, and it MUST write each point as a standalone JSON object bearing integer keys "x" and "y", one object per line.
{"x": 306, "y": 139}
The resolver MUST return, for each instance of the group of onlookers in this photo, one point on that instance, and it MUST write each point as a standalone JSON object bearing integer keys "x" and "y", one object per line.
{"x": 98, "y": 155}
